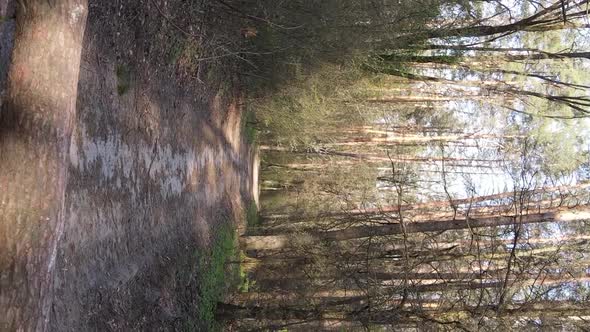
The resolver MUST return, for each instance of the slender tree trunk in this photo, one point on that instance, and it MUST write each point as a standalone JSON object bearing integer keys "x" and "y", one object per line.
{"x": 542, "y": 18}
{"x": 227, "y": 312}
{"x": 282, "y": 241}
{"x": 35, "y": 129}
{"x": 434, "y": 204}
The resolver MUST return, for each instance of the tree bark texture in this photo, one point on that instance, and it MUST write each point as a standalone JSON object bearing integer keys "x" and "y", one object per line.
{"x": 35, "y": 130}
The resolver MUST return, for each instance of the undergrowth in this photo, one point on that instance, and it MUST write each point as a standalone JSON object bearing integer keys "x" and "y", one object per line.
{"x": 252, "y": 217}
{"x": 303, "y": 112}
{"x": 221, "y": 273}
{"x": 214, "y": 279}
{"x": 249, "y": 127}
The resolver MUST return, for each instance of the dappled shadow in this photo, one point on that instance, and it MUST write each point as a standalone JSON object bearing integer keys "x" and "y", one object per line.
{"x": 155, "y": 171}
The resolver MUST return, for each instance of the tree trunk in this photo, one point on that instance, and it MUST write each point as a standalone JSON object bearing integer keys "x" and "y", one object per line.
{"x": 35, "y": 130}
{"x": 282, "y": 241}
{"x": 542, "y": 18}
{"x": 227, "y": 312}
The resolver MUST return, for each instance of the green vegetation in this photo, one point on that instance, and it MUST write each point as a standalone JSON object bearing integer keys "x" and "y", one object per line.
{"x": 123, "y": 79}
{"x": 220, "y": 272}
{"x": 400, "y": 144}
{"x": 245, "y": 283}
{"x": 184, "y": 52}
{"x": 252, "y": 217}
{"x": 216, "y": 276}
{"x": 311, "y": 64}
{"x": 301, "y": 113}
{"x": 187, "y": 58}
{"x": 176, "y": 49}
{"x": 425, "y": 163}
{"x": 249, "y": 127}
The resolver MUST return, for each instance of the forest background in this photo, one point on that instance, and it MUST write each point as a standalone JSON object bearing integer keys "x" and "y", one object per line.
{"x": 424, "y": 166}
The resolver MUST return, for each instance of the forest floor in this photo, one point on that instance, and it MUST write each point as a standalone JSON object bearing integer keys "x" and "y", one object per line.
{"x": 159, "y": 172}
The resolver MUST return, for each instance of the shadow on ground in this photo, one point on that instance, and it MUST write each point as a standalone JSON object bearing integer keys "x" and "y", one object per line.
{"x": 157, "y": 166}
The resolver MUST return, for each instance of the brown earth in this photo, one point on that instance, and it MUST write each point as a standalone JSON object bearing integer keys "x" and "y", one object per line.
{"x": 157, "y": 163}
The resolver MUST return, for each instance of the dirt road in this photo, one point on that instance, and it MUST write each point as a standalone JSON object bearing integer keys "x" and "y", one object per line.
{"x": 157, "y": 164}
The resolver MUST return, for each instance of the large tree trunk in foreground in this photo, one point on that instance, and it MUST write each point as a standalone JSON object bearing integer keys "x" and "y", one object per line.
{"x": 35, "y": 129}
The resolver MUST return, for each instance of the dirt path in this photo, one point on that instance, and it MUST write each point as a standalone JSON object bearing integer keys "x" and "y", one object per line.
{"x": 157, "y": 165}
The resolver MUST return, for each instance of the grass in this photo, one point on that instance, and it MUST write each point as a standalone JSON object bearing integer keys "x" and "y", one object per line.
{"x": 252, "y": 221}
{"x": 245, "y": 283}
{"x": 214, "y": 281}
{"x": 249, "y": 127}
{"x": 219, "y": 275}
{"x": 123, "y": 79}
{"x": 219, "y": 272}
{"x": 252, "y": 217}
